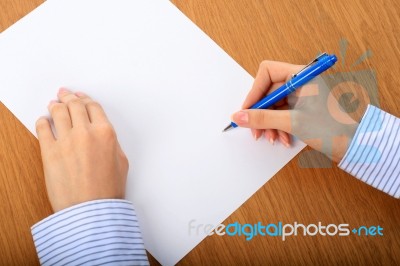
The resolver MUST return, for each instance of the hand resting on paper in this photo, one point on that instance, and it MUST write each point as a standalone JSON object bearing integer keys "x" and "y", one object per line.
{"x": 84, "y": 161}
{"x": 85, "y": 172}
{"x": 311, "y": 113}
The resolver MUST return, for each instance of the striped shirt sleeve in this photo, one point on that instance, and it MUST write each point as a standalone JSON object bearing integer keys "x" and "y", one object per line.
{"x": 374, "y": 153}
{"x": 100, "y": 232}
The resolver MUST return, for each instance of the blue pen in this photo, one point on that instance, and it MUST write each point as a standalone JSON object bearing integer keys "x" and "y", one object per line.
{"x": 320, "y": 64}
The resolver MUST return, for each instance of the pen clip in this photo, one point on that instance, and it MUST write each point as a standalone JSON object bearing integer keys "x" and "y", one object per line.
{"x": 309, "y": 64}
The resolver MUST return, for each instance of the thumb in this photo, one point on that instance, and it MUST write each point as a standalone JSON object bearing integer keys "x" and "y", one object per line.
{"x": 263, "y": 119}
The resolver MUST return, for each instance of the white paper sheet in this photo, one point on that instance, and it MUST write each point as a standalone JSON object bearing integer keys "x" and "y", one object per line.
{"x": 168, "y": 89}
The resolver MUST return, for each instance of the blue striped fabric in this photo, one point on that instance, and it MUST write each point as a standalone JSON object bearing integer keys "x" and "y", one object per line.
{"x": 374, "y": 153}
{"x": 100, "y": 232}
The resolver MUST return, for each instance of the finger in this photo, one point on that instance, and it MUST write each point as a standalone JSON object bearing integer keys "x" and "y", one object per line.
{"x": 62, "y": 120}
{"x": 65, "y": 95}
{"x": 44, "y": 133}
{"x": 271, "y": 135}
{"x": 94, "y": 109}
{"x": 284, "y": 138}
{"x": 263, "y": 119}
{"x": 76, "y": 108}
{"x": 268, "y": 73}
{"x": 256, "y": 133}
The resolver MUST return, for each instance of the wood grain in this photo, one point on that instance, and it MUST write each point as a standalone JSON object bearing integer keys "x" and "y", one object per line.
{"x": 251, "y": 31}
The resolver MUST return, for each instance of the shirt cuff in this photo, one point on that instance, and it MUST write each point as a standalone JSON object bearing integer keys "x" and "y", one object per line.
{"x": 94, "y": 232}
{"x": 374, "y": 154}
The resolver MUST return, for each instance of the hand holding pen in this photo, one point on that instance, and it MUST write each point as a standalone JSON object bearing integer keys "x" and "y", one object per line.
{"x": 303, "y": 113}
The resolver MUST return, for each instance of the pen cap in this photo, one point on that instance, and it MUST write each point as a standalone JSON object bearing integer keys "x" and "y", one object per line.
{"x": 329, "y": 60}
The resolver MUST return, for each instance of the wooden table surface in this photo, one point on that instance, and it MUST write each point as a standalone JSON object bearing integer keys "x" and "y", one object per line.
{"x": 251, "y": 31}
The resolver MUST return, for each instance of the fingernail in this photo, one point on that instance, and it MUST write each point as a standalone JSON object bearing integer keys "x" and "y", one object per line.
{"x": 287, "y": 145}
{"x": 241, "y": 117}
{"x": 284, "y": 141}
{"x": 270, "y": 138}
{"x": 62, "y": 90}
{"x": 256, "y": 136}
{"x": 80, "y": 94}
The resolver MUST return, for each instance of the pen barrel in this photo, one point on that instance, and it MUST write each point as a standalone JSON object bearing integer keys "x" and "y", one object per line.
{"x": 297, "y": 81}
{"x": 274, "y": 97}
{"x": 312, "y": 72}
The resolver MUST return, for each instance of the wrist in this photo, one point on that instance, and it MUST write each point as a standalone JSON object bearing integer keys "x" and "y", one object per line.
{"x": 342, "y": 143}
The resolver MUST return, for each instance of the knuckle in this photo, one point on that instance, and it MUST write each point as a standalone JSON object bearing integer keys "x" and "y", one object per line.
{"x": 41, "y": 123}
{"x": 264, "y": 64}
{"x": 58, "y": 107}
{"x": 93, "y": 104}
{"x": 124, "y": 160}
{"x": 107, "y": 132}
{"x": 74, "y": 102}
{"x": 82, "y": 95}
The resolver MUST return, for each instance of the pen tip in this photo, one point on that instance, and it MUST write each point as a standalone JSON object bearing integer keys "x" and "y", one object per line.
{"x": 227, "y": 128}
